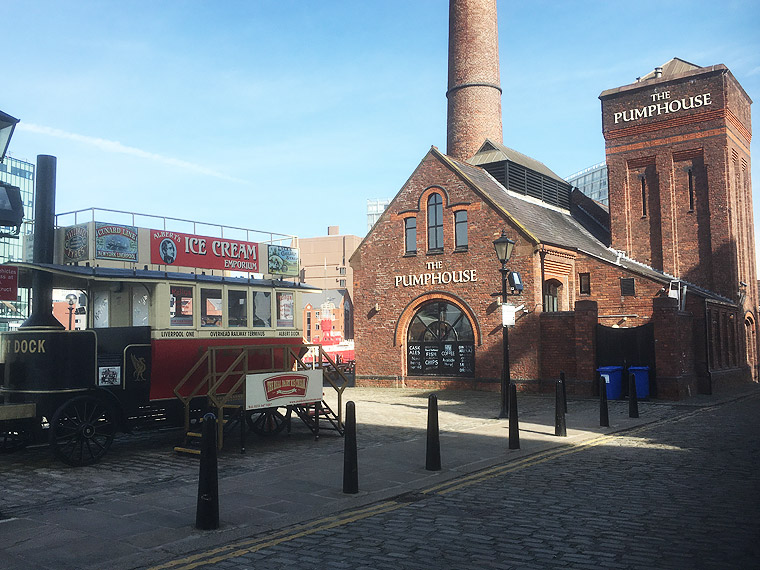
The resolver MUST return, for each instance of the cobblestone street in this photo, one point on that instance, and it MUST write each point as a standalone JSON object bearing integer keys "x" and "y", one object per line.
{"x": 679, "y": 493}
{"x": 677, "y": 488}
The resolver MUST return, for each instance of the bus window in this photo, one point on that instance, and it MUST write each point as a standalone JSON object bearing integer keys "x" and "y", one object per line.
{"x": 211, "y": 307}
{"x": 285, "y": 310}
{"x": 100, "y": 309}
{"x": 262, "y": 309}
{"x": 181, "y": 306}
{"x": 140, "y": 307}
{"x": 237, "y": 308}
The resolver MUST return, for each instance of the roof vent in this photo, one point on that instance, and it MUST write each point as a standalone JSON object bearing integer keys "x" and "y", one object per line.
{"x": 657, "y": 72}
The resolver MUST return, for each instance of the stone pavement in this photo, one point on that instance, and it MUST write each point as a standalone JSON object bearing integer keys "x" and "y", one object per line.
{"x": 589, "y": 499}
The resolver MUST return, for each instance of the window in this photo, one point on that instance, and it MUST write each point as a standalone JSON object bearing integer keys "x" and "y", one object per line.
{"x": 211, "y": 307}
{"x": 410, "y": 235}
{"x": 691, "y": 190}
{"x": 181, "y": 306}
{"x": 262, "y": 309}
{"x": 551, "y": 295}
{"x": 140, "y": 307}
{"x": 342, "y": 270}
{"x": 342, "y": 283}
{"x": 460, "y": 229}
{"x": 643, "y": 196}
{"x": 237, "y": 308}
{"x": 285, "y": 314}
{"x": 435, "y": 222}
{"x": 585, "y": 283}
{"x": 100, "y": 309}
{"x": 627, "y": 287}
{"x": 440, "y": 341}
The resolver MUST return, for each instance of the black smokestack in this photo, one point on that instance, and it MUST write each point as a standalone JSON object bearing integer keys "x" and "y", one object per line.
{"x": 44, "y": 238}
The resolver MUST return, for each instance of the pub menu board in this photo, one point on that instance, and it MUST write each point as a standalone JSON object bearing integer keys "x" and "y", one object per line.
{"x": 466, "y": 357}
{"x": 446, "y": 358}
{"x": 414, "y": 358}
{"x": 431, "y": 358}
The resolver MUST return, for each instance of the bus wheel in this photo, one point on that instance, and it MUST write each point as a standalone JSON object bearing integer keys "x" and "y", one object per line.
{"x": 269, "y": 421}
{"x": 13, "y": 437}
{"x": 82, "y": 430}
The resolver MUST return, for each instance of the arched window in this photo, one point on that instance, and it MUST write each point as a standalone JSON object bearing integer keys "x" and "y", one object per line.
{"x": 435, "y": 222}
{"x": 440, "y": 341}
{"x": 552, "y": 289}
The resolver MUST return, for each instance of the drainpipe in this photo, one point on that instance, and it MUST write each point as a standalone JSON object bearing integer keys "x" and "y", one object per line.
{"x": 707, "y": 352}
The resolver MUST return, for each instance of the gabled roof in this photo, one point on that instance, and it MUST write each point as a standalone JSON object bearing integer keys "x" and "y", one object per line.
{"x": 496, "y": 152}
{"x": 675, "y": 66}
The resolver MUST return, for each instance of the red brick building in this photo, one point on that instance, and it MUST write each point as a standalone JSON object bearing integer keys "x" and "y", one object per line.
{"x": 656, "y": 281}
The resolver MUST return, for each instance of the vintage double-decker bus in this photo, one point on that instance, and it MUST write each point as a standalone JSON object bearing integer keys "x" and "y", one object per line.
{"x": 159, "y": 347}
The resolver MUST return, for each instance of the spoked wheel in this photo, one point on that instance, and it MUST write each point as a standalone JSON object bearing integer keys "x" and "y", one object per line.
{"x": 13, "y": 437}
{"x": 269, "y": 421}
{"x": 82, "y": 431}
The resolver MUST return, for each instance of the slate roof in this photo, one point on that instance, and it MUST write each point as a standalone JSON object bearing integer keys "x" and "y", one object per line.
{"x": 544, "y": 224}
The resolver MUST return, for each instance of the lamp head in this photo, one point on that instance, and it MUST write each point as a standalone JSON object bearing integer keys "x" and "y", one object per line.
{"x": 503, "y": 246}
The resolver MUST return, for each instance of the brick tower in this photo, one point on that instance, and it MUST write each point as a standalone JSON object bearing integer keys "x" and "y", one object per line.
{"x": 474, "y": 94}
{"x": 678, "y": 156}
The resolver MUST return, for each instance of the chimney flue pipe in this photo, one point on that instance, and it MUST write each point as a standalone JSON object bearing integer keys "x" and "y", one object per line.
{"x": 44, "y": 237}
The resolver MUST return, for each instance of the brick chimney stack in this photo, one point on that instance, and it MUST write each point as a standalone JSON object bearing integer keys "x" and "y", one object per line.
{"x": 474, "y": 94}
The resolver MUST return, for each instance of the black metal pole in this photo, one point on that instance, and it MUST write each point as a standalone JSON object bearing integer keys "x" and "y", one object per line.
{"x": 505, "y": 380}
{"x": 514, "y": 427}
{"x": 560, "y": 426}
{"x": 207, "y": 511}
{"x": 564, "y": 389}
{"x": 433, "y": 449}
{"x": 604, "y": 416}
{"x": 350, "y": 457}
{"x": 633, "y": 397}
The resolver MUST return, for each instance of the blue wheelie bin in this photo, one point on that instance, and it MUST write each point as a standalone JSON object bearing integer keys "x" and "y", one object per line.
{"x": 613, "y": 379}
{"x": 641, "y": 378}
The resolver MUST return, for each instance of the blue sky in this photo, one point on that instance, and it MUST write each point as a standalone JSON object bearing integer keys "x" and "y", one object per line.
{"x": 287, "y": 116}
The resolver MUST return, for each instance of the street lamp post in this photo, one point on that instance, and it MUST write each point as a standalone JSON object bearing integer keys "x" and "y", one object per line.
{"x": 503, "y": 246}
{"x": 71, "y": 298}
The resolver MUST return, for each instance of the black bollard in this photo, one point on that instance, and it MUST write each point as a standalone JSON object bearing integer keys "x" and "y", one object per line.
{"x": 433, "y": 452}
{"x": 604, "y": 416}
{"x": 514, "y": 428}
{"x": 564, "y": 389}
{"x": 350, "y": 457}
{"x": 633, "y": 397}
{"x": 207, "y": 511}
{"x": 560, "y": 426}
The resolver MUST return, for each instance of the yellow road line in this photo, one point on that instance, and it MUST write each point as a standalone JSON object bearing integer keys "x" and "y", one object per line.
{"x": 254, "y": 544}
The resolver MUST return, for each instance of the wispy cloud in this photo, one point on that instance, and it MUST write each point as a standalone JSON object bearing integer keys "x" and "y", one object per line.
{"x": 118, "y": 148}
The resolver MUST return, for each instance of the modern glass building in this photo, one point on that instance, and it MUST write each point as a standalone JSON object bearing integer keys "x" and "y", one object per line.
{"x": 21, "y": 174}
{"x": 592, "y": 181}
{"x": 374, "y": 210}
